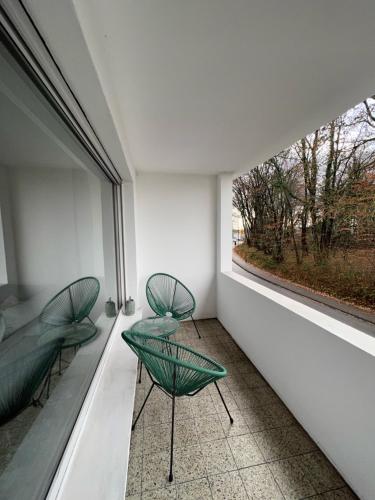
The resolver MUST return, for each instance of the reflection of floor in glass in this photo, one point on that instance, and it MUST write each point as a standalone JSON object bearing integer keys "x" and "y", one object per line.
{"x": 13, "y": 432}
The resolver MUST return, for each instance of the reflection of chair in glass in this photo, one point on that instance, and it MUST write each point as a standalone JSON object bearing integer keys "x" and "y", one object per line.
{"x": 176, "y": 369}
{"x": 21, "y": 375}
{"x": 67, "y": 310}
{"x": 166, "y": 295}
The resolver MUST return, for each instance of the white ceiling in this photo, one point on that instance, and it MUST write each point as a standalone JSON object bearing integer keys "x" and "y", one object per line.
{"x": 206, "y": 86}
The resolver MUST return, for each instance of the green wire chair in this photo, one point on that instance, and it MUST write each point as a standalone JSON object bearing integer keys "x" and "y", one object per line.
{"x": 175, "y": 369}
{"x": 67, "y": 310}
{"x": 167, "y": 295}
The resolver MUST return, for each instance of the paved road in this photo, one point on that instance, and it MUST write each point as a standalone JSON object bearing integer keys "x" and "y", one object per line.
{"x": 365, "y": 323}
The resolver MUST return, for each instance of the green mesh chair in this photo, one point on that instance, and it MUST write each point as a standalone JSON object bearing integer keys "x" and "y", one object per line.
{"x": 176, "y": 369}
{"x": 166, "y": 295}
{"x": 67, "y": 310}
{"x": 22, "y": 374}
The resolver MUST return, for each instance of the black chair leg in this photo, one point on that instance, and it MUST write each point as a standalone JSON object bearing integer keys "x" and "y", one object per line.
{"x": 140, "y": 373}
{"x": 229, "y": 415}
{"x": 199, "y": 335}
{"x": 144, "y": 402}
{"x": 172, "y": 435}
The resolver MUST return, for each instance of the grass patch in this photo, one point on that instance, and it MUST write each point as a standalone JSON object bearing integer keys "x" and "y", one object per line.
{"x": 347, "y": 276}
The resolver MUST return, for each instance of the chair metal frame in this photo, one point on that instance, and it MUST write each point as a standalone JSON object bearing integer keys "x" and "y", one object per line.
{"x": 131, "y": 339}
{"x": 179, "y": 317}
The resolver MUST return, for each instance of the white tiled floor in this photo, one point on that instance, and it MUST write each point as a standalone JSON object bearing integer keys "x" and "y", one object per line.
{"x": 264, "y": 455}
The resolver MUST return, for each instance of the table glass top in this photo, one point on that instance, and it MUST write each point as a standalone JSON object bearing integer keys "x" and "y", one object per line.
{"x": 159, "y": 326}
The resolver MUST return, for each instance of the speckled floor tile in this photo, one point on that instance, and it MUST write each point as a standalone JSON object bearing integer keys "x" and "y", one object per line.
{"x": 265, "y": 395}
{"x": 222, "y": 386}
{"x": 238, "y": 426}
{"x": 280, "y": 415}
{"x": 209, "y": 428}
{"x": 245, "y": 367}
{"x": 298, "y": 440}
{"x": 183, "y": 408}
{"x": 291, "y": 479}
{"x": 205, "y": 332}
{"x": 283, "y": 442}
{"x": 156, "y": 438}
{"x": 228, "y": 486}
{"x": 253, "y": 380}
{"x": 168, "y": 493}
{"x": 229, "y": 401}
{"x": 218, "y": 456}
{"x": 245, "y": 450}
{"x": 322, "y": 475}
{"x": 146, "y": 381}
{"x": 158, "y": 397}
{"x": 258, "y": 419}
{"x": 160, "y": 413}
{"x": 155, "y": 470}
{"x": 245, "y": 398}
{"x": 230, "y": 367}
{"x": 136, "y": 442}
{"x": 340, "y": 494}
{"x": 223, "y": 389}
{"x": 202, "y": 406}
{"x": 194, "y": 490}
{"x": 215, "y": 342}
{"x": 272, "y": 444}
{"x": 189, "y": 464}
{"x": 204, "y": 393}
{"x": 260, "y": 484}
{"x": 236, "y": 382}
{"x": 185, "y": 433}
{"x": 133, "y": 485}
{"x": 235, "y": 356}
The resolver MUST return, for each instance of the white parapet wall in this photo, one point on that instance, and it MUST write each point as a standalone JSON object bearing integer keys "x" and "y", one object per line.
{"x": 323, "y": 370}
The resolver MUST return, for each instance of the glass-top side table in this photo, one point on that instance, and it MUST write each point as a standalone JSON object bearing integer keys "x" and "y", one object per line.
{"x": 160, "y": 326}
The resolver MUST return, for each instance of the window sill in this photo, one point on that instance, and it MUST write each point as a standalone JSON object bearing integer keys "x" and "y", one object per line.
{"x": 94, "y": 464}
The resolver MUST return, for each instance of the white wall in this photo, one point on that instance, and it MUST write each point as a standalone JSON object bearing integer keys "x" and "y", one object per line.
{"x": 326, "y": 381}
{"x": 52, "y": 225}
{"x": 62, "y": 227}
{"x": 176, "y": 234}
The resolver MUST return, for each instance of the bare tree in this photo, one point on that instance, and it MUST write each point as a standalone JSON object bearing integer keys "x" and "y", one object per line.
{"x": 295, "y": 199}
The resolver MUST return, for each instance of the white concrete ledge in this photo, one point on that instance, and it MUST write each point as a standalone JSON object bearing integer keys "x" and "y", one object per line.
{"x": 346, "y": 332}
{"x": 95, "y": 461}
